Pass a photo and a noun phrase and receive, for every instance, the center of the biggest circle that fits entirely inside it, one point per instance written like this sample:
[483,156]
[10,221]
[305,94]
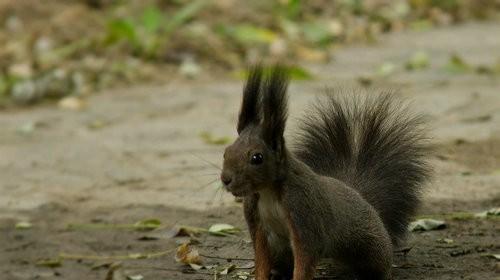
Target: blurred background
[114,116]
[52,49]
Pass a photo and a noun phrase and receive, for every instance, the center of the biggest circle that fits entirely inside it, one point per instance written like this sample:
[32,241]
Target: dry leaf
[187,255]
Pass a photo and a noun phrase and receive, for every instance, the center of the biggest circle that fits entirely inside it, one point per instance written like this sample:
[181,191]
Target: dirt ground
[136,154]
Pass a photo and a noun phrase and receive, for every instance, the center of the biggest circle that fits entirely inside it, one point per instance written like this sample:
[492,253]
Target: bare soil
[136,153]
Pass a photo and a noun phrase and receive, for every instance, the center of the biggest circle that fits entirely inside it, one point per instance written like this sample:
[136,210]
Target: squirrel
[345,190]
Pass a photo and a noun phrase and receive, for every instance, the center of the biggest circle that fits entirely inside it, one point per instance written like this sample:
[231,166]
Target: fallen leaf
[148,224]
[23,225]
[386,69]
[421,25]
[223,229]
[50,263]
[492,256]
[28,128]
[426,225]
[228,269]
[243,275]
[97,124]
[299,73]
[489,213]
[148,238]
[195,266]
[457,65]
[209,138]
[135,277]
[187,255]
[247,265]
[445,240]
[248,34]
[137,256]
[418,61]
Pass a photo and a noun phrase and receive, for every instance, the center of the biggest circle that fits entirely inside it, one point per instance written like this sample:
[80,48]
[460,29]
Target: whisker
[211,202]
[220,203]
[207,161]
[211,174]
[207,184]
[221,197]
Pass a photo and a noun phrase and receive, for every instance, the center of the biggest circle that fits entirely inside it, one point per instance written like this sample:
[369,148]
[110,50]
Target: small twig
[165,269]
[192,229]
[122,257]
[226,258]
[97,226]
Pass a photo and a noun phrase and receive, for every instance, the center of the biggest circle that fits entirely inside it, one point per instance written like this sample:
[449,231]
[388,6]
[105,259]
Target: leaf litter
[187,254]
[426,225]
[144,225]
[223,229]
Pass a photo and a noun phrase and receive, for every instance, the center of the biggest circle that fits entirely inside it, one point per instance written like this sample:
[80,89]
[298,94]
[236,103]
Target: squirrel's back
[374,145]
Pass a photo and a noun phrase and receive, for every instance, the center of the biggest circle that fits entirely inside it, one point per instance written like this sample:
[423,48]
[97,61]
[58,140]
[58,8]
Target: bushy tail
[374,145]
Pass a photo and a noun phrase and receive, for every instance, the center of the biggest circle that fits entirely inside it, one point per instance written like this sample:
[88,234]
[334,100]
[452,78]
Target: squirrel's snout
[226,179]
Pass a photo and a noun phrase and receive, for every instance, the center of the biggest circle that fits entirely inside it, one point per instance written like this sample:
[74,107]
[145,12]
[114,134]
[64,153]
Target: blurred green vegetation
[88,45]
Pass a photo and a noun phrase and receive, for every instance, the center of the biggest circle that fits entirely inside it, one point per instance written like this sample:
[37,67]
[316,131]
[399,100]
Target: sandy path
[137,145]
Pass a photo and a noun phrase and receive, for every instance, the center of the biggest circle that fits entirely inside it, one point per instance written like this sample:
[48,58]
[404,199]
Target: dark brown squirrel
[346,190]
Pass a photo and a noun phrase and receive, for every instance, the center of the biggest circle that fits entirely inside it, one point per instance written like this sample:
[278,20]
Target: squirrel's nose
[226,179]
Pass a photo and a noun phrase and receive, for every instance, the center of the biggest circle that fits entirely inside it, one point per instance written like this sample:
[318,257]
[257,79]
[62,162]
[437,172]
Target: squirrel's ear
[250,112]
[275,104]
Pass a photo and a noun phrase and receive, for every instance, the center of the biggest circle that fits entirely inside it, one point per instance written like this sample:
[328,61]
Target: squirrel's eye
[257,158]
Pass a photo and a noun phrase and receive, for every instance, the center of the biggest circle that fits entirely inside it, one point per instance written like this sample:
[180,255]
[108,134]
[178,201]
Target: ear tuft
[275,106]
[250,112]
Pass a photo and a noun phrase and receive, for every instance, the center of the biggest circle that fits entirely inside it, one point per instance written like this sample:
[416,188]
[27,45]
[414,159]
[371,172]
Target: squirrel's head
[257,159]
